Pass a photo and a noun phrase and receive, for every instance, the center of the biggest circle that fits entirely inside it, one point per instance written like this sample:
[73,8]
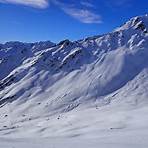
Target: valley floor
[123,141]
[106,127]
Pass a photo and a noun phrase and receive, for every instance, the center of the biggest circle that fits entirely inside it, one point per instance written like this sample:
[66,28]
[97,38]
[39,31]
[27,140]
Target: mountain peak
[138,23]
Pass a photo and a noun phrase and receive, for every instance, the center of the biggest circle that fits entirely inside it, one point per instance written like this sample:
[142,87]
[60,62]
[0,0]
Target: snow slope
[90,92]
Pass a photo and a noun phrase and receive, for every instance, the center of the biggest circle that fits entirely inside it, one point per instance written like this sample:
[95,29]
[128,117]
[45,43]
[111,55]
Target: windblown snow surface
[91,93]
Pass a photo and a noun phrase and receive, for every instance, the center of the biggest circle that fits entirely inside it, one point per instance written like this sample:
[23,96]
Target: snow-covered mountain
[52,90]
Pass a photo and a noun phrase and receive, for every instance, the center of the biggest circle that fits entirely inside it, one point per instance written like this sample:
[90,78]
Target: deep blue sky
[56,20]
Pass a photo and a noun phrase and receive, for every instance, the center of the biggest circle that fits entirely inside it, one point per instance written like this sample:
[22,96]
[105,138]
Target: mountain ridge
[44,80]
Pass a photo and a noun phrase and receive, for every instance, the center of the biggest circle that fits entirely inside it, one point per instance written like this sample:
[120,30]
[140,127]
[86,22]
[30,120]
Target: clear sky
[55,20]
